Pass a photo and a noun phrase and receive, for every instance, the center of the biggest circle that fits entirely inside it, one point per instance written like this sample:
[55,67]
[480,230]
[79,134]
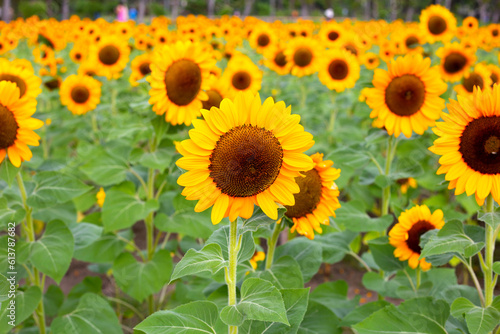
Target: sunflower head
[456,60]
[405,235]
[80,93]
[241,154]
[303,55]
[438,23]
[338,70]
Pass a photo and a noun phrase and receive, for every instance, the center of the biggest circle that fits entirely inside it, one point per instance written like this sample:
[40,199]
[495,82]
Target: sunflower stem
[30,233]
[386,192]
[333,115]
[360,260]
[419,275]
[271,243]
[149,222]
[474,279]
[231,272]
[488,256]
[95,128]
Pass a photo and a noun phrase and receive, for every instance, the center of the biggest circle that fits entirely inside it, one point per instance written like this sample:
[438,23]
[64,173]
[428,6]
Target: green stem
[95,128]
[118,301]
[410,280]
[333,115]
[386,192]
[40,313]
[419,274]
[474,279]
[360,260]
[271,243]
[150,231]
[231,271]
[488,256]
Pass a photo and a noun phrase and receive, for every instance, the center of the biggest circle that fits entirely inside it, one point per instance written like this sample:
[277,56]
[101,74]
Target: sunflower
[494,32]
[495,74]
[16,124]
[275,60]
[179,76]
[100,197]
[410,40]
[241,74]
[331,34]
[303,55]
[480,77]
[111,55]
[405,235]
[79,52]
[438,23]
[317,199]
[338,70]
[470,25]
[140,67]
[406,97]
[24,78]
[216,93]
[80,93]
[244,153]
[469,144]
[370,60]
[258,256]
[406,183]
[262,38]
[455,61]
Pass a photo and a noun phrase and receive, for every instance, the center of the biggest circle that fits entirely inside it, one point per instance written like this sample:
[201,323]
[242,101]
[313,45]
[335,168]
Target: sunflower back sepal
[490,218]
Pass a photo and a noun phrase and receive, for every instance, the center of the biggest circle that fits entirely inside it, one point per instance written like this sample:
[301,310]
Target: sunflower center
[309,196]
[494,78]
[144,68]
[495,32]
[437,25]
[15,79]
[80,94]
[52,84]
[411,42]
[246,161]
[214,99]
[333,35]
[78,56]
[480,145]
[454,62]
[263,40]
[338,69]
[405,95]
[280,59]
[302,57]
[183,82]
[351,48]
[416,232]
[241,80]
[8,127]
[109,55]
[473,80]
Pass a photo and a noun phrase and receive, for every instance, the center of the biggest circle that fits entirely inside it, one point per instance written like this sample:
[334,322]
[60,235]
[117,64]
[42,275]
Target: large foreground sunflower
[406,97]
[405,235]
[317,199]
[179,76]
[438,23]
[24,78]
[80,93]
[16,124]
[244,153]
[338,69]
[470,144]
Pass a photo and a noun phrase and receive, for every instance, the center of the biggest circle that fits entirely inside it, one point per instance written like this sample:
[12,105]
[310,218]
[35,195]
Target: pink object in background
[121,13]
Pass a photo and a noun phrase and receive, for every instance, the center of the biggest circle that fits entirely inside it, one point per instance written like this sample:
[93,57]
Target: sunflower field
[240,176]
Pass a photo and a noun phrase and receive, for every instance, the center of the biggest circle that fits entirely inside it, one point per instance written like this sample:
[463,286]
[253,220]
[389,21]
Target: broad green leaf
[209,258]
[123,209]
[260,300]
[383,254]
[362,312]
[90,284]
[496,267]
[334,296]
[105,169]
[103,250]
[186,223]
[353,218]
[139,279]
[85,234]
[25,304]
[419,315]
[307,253]
[479,320]
[296,301]
[194,318]
[490,218]
[53,300]
[9,213]
[55,187]
[284,274]
[93,315]
[221,237]
[8,171]
[319,319]
[335,245]
[160,159]
[53,252]
[259,220]
[451,238]
[4,289]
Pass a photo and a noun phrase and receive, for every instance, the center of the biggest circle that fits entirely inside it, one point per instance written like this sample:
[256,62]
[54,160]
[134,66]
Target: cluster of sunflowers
[242,152]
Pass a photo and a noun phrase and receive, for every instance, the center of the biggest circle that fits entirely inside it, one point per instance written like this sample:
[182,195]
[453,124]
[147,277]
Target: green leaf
[362,312]
[105,169]
[335,245]
[296,301]
[186,223]
[221,237]
[53,252]
[284,274]
[85,234]
[209,258]
[496,267]
[90,284]
[123,209]
[103,250]
[418,315]
[259,220]
[451,238]
[93,315]
[260,300]
[319,319]
[383,181]
[10,213]
[4,289]
[55,187]
[160,159]
[383,254]
[334,296]
[352,217]
[479,320]
[198,317]
[8,171]
[139,279]
[307,253]
[25,304]
[490,218]
[53,300]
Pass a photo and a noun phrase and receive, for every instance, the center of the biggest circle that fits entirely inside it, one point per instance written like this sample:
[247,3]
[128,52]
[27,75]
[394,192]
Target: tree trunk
[65,9]
[166,5]
[248,7]
[210,8]
[6,11]
[141,11]
[175,9]
[483,10]
[48,4]
[367,9]
[393,9]
[375,9]
[272,8]
[410,13]
[291,3]
[304,9]
[447,3]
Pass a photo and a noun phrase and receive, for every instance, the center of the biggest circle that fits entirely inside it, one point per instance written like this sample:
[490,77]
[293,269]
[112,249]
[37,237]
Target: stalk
[489,251]
[271,243]
[234,248]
